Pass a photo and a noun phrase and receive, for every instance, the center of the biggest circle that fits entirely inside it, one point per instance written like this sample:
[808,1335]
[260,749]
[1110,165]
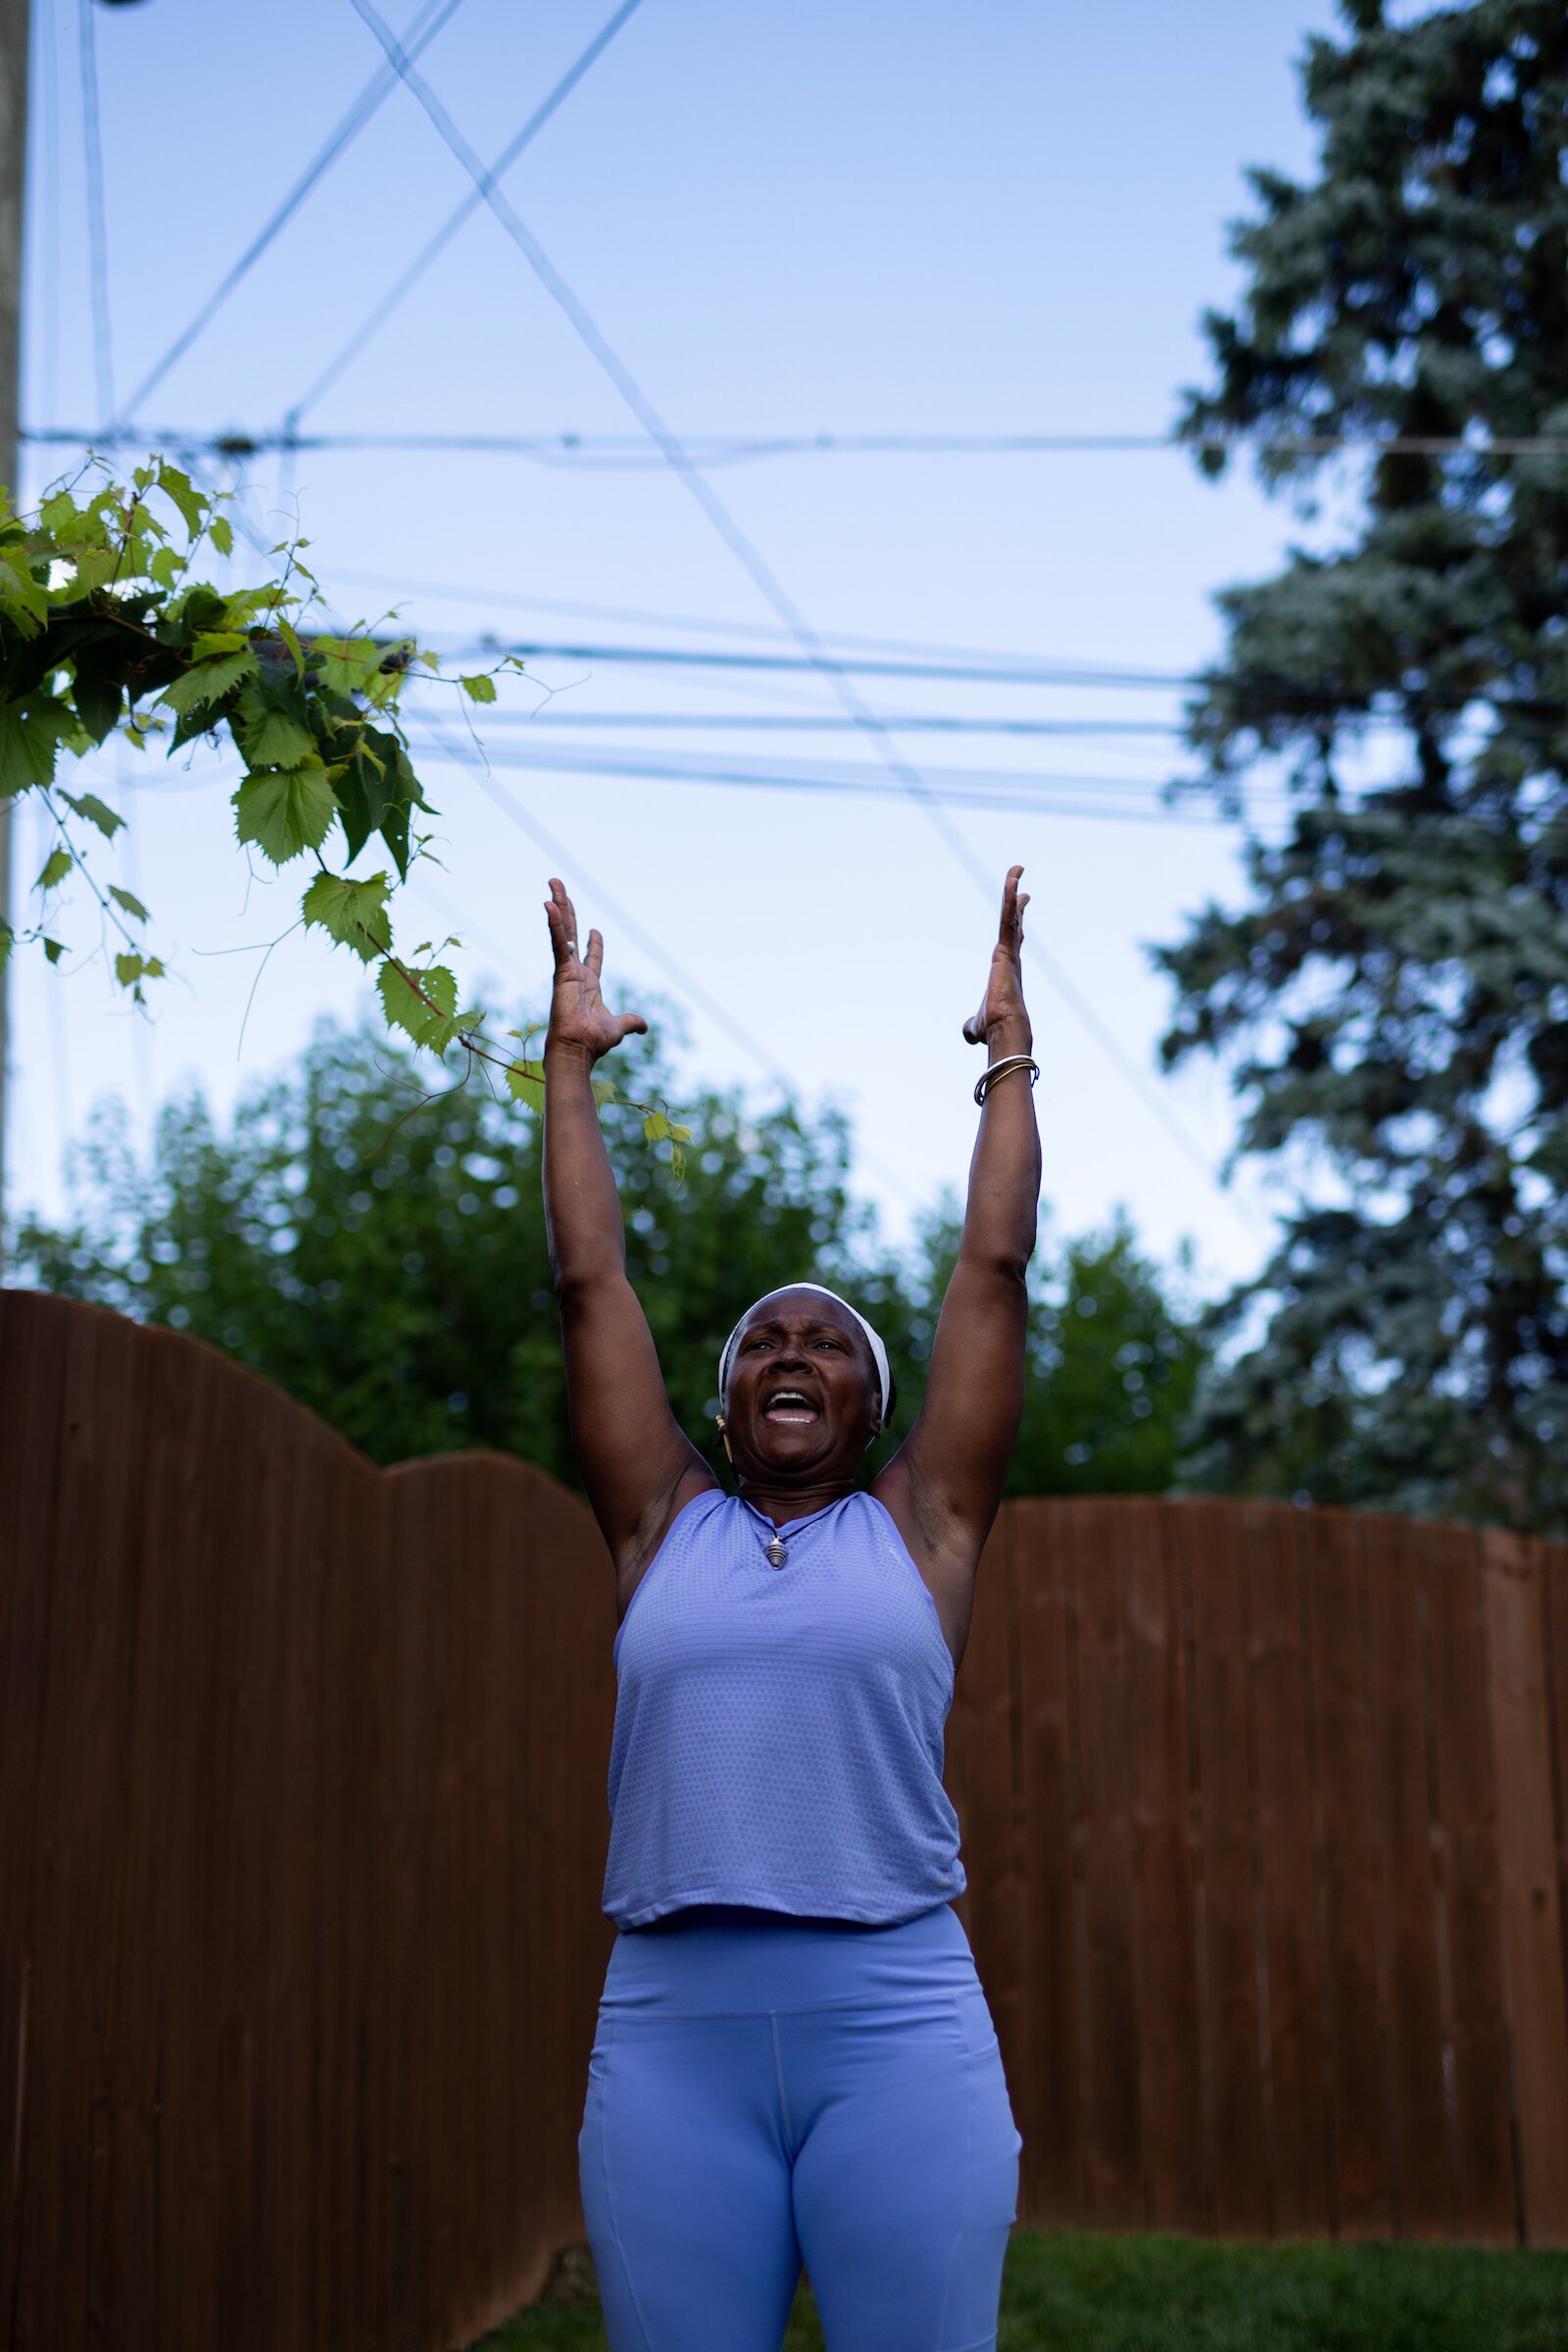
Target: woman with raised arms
[794,2060]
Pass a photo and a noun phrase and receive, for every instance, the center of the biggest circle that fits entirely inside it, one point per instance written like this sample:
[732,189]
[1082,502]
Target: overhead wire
[685,982]
[518,813]
[774,593]
[621,453]
[426,24]
[97,226]
[372,327]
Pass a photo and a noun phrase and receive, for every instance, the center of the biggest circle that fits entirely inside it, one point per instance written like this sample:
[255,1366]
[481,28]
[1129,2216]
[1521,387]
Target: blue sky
[787,221]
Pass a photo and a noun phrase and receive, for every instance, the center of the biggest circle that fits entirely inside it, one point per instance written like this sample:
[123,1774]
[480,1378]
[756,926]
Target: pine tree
[1393,998]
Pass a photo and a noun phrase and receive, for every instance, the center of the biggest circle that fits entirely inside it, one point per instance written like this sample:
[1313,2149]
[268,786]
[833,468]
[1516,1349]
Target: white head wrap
[879,1354]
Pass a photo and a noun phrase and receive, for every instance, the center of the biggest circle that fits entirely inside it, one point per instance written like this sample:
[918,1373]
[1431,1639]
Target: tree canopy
[1393,998]
[382,1256]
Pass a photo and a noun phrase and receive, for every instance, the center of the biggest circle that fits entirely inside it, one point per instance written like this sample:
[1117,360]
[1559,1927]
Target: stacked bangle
[1000,1070]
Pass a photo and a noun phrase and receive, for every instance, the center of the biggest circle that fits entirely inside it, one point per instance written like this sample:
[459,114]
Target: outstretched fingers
[1013,902]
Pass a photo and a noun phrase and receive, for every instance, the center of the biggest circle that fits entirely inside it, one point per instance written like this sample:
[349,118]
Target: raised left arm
[944,1485]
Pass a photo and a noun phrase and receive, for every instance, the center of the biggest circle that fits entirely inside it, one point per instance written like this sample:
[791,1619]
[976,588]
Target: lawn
[1069,2291]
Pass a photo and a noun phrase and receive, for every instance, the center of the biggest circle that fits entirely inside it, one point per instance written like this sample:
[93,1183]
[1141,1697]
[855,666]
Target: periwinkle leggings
[764,2090]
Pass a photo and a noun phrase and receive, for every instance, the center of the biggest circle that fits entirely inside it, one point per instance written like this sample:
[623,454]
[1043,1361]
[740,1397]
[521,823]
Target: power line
[773,589]
[624,453]
[97,231]
[518,814]
[814,723]
[449,229]
[426,24]
[1030,796]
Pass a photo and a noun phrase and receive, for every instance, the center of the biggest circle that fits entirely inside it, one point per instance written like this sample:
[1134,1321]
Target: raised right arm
[637,1463]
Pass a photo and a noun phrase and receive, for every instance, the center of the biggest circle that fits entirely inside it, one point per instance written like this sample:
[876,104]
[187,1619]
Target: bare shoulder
[634,1560]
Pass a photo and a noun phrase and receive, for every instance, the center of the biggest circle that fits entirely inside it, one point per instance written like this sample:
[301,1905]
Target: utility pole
[15,26]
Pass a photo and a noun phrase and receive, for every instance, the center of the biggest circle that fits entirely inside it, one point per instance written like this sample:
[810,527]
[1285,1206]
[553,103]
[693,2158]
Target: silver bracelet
[999,1069]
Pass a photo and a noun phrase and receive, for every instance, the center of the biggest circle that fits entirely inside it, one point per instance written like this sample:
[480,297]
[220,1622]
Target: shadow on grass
[1069,2291]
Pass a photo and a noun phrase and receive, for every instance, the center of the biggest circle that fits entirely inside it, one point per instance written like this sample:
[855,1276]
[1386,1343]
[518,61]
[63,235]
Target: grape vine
[104,628]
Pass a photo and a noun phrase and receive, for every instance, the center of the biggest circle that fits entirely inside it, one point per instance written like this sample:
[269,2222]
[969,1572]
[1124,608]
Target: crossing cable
[622,452]
[97,231]
[519,814]
[471,758]
[449,229]
[773,589]
[421,31]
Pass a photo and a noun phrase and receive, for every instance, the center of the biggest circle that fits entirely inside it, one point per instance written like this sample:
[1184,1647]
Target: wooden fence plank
[1424,2196]
[1298,2165]
[1054,2190]
[1237,2154]
[1111,2010]
[1532,1925]
[1352,1876]
[1169,2009]
[981,1782]
[1554,1592]
[1467,1811]
[33,1371]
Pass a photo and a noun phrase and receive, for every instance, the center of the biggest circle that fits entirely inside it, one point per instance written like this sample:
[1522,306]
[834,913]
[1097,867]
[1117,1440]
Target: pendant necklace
[776,1551]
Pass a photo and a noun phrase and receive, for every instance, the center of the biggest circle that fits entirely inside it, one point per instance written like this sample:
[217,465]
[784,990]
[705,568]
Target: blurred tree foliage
[1393,998]
[381,1257]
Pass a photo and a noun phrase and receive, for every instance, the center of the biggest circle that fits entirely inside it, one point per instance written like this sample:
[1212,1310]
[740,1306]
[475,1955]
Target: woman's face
[802,1394]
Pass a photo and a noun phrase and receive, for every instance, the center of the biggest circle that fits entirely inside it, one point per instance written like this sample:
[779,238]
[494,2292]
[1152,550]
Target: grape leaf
[354,912]
[29,739]
[89,805]
[54,949]
[417,1001]
[207,683]
[128,900]
[526,1082]
[181,492]
[480,689]
[273,739]
[220,531]
[348,663]
[284,811]
[57,865]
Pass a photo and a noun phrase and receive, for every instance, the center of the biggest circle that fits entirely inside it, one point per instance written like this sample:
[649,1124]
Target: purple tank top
[778,1738]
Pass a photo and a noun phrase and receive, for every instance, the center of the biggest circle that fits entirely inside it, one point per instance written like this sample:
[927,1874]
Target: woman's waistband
[728,1960]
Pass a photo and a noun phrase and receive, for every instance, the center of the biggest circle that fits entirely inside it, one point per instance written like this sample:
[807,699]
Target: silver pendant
[776,1553]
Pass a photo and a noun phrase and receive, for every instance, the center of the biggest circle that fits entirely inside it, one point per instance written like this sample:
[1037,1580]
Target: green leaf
[57,865]
[290,636]
[354,912]
[604,1088]
[29,740]
[274,740]
[58,514]
[421,1003]
[210,643]
[182,493]
[220,531]
[54,949]
[526,1082]
[128,900]
[284,811]
[131,969]
[165,566]
[207,683]
[87,805]
[480,689]
[348,663]
[8,940]
[656,1126]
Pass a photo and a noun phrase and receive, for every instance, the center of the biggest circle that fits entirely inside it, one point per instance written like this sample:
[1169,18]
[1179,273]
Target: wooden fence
[302,1827]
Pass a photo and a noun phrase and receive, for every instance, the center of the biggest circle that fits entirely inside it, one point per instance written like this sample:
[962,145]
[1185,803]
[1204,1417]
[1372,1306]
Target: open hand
[1002,1019]
[578,1013]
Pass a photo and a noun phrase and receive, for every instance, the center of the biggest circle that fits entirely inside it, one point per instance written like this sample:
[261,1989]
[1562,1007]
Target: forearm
[582,1207]
[1000,1216]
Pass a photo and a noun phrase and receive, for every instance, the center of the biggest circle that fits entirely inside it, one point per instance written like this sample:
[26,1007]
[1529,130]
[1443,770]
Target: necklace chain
[775,1551]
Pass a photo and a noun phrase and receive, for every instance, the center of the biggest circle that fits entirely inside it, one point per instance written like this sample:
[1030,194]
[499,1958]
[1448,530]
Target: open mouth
[788,1408]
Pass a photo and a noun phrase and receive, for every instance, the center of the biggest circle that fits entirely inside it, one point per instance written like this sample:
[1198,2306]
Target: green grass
[1068,2292]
